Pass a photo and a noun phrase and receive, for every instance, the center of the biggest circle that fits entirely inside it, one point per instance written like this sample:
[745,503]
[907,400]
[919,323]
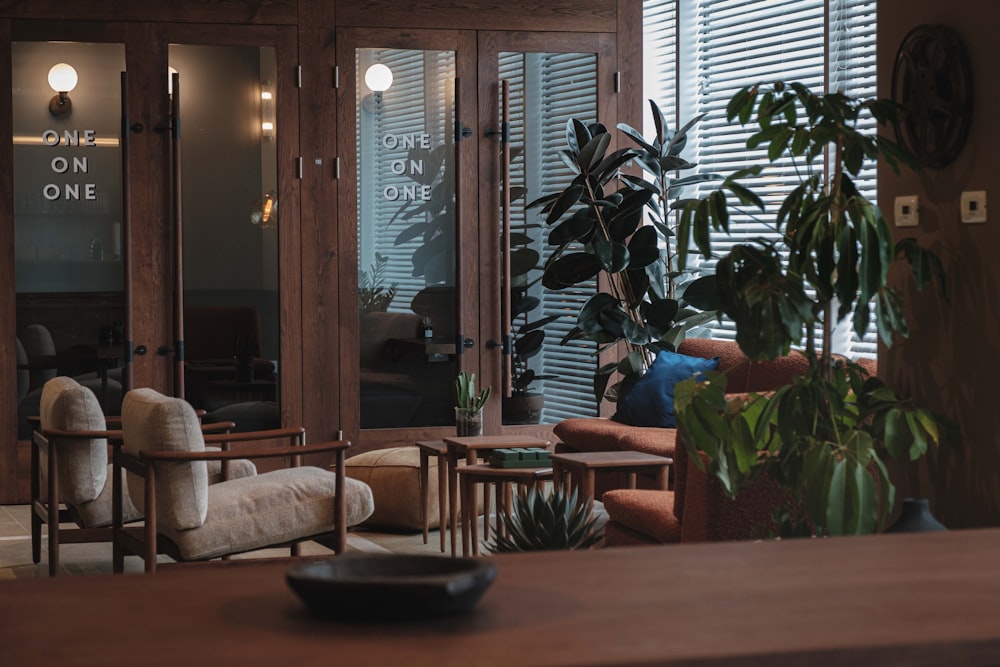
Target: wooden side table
[502,479]
[579,468]
[469,448]
[438,449]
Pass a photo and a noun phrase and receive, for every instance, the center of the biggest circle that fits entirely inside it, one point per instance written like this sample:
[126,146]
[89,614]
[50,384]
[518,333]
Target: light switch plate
[907,211]
[974,206]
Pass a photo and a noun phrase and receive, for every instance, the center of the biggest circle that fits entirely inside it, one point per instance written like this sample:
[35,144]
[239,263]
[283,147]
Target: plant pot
[916,518]
[468,422]
[523,409]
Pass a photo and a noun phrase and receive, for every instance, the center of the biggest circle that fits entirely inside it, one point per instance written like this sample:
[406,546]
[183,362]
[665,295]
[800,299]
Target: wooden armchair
[69,462]
[187,519]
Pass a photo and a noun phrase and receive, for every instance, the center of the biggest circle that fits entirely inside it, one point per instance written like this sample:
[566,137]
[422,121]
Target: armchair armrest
[43,437]
[267,452]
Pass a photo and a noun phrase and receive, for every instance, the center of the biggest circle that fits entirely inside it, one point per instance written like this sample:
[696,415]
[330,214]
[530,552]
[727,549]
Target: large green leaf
[702,293]
[613,256]
[643,247]
[570,270]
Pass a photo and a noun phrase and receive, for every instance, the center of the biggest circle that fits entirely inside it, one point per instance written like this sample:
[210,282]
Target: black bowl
[386,587]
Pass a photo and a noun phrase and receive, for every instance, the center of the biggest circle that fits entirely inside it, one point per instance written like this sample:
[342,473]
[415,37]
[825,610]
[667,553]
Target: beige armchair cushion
[152,421]
[82,465]
[274,507]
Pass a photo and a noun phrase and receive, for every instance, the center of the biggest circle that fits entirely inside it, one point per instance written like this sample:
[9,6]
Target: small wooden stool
[438,449]
[502,478]
[579,468]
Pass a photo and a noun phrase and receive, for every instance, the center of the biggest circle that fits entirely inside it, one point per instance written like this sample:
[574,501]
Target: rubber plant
[646,302]
[826,436]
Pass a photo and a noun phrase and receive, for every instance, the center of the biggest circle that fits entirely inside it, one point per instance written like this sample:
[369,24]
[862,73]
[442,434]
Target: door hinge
[336,76]
[298,76]
[299,167]
[618,82]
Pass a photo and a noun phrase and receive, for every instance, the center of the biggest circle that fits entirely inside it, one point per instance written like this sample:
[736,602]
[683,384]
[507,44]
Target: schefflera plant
[645,301]
[826,436]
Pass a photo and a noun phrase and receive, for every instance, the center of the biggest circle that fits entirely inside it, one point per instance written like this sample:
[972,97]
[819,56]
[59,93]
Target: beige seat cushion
[152,421]
[271,508]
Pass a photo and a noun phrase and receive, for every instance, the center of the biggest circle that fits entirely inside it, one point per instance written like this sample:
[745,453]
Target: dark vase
[916,518]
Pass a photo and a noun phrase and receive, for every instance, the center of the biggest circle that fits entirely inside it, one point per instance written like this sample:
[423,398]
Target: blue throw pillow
[651,401]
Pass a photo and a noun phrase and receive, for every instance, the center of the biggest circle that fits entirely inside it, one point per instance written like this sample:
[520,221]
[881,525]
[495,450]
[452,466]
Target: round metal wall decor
[932,80]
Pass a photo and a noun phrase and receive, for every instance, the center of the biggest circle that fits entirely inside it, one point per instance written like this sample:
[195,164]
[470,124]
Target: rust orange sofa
[590,434]
[695,509]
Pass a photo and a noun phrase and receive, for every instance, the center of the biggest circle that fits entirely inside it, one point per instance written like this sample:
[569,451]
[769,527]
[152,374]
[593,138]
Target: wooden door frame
[348,39]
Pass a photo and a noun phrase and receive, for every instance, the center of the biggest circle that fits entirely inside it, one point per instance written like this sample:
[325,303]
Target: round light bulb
[62,78]
[378,77]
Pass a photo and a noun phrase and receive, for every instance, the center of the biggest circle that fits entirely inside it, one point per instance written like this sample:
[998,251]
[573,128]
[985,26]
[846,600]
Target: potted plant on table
[826,437]
[469,405]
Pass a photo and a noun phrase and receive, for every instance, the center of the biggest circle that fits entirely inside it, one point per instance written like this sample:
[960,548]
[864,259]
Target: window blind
[825,44]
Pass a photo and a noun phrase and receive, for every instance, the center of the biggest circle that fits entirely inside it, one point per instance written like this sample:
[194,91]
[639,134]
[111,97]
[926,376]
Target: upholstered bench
[394,477]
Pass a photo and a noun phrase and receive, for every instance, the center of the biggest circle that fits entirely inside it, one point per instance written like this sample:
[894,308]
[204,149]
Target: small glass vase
[468,422]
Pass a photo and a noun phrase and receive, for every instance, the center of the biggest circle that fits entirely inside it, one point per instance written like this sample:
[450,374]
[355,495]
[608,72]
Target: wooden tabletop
[917,599]
[494,442]
[612,459]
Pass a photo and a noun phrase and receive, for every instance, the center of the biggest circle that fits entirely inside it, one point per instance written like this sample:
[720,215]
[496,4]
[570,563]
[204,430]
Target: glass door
[228,213]
[68,220]
[536,84]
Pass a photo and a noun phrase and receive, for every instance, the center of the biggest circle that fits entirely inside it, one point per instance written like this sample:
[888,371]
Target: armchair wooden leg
[149,546]
[53,512]
[36,497]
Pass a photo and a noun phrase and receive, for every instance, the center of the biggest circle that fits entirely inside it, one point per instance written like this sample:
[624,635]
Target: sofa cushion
[152,421]
[732,361]
[589,434]
[651,400]
[644,511]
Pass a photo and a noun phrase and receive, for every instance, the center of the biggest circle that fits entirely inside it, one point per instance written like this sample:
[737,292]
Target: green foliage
[825,437]
[596,224]
[373,295]
[465,392]
[547,521]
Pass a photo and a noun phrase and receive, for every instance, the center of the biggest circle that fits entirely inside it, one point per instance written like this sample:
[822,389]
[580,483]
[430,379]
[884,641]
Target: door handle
[163,350]
[140,350]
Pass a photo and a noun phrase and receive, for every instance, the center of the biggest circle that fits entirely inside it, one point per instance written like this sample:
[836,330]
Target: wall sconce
[264,212]
[378,78]
[62,79]
[267,110]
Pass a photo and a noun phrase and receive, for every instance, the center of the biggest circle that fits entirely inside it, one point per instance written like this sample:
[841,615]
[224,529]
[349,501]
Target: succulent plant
[541,521]
[465,392]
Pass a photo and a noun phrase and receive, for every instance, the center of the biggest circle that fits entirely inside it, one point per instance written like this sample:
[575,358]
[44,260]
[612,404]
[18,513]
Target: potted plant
[469,405]
[524,405]
[539,521]
[826,437]
[649,302]
[373,294]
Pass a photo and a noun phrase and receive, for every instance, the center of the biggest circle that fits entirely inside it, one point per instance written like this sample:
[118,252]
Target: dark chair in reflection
[38,362]
[213,381]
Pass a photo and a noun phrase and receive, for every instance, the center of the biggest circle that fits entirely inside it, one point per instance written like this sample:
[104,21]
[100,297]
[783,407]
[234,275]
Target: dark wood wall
[951,360]
[313,370]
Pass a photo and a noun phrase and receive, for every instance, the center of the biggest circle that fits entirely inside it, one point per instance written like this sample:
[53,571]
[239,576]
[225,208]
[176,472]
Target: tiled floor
[15,548]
